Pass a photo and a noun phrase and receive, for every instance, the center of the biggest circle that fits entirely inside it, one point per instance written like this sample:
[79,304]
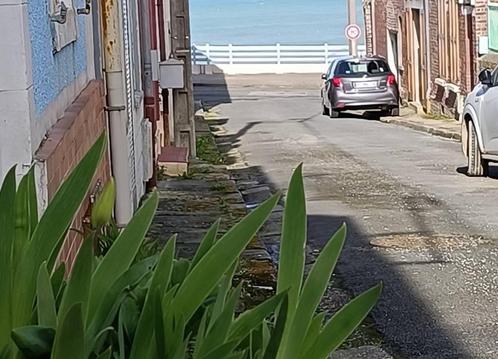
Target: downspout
[428,56]
[113,68]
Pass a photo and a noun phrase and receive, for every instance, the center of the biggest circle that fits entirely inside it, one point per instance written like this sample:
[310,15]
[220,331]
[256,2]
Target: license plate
[365,84]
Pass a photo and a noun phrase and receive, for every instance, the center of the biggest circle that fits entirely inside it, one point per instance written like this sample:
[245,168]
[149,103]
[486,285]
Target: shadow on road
[493,171]
[408,323]
[211,89]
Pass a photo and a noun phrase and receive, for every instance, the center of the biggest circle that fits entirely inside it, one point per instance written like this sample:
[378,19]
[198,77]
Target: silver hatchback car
[480,124]
[359,83]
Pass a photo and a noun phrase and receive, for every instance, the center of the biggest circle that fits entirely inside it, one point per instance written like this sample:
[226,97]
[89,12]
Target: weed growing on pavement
[207,150]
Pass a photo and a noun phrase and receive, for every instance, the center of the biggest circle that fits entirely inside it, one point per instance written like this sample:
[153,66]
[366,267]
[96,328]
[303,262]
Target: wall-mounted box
[171,74]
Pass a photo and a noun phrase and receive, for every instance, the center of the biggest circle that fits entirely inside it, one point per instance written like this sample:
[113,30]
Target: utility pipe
[113,68]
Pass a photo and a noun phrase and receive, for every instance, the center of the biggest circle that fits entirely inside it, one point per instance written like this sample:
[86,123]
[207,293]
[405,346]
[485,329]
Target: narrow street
[416,222]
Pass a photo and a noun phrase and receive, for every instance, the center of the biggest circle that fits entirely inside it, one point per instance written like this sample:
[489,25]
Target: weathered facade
[438,48]
[75,69]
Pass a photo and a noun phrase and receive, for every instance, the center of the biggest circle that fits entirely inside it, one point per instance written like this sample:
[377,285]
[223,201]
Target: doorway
[392,53]
[417,74]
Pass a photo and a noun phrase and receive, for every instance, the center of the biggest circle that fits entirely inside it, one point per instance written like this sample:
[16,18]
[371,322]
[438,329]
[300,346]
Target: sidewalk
[446,128]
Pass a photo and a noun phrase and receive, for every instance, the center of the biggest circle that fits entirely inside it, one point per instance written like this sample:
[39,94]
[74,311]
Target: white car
[480,124]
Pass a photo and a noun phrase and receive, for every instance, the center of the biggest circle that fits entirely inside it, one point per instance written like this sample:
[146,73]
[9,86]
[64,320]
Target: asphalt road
[415,221]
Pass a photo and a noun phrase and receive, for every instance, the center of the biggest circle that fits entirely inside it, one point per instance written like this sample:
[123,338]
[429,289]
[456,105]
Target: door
[416,55]
[488,118]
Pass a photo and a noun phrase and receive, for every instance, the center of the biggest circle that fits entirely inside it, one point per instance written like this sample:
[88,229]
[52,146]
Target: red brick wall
[66,144]
[436,94]
[380,18]
[480,28]
[367,15]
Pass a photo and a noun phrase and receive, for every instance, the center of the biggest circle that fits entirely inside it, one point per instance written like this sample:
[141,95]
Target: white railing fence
[239,59]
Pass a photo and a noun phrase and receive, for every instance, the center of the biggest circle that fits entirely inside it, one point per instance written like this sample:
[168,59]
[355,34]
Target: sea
[265,22]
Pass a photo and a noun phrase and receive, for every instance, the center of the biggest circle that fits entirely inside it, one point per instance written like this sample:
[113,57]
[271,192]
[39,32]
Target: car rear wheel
[394,111]
[477,166]
[334,114]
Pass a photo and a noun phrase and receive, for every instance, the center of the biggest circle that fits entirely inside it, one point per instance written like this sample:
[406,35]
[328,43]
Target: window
[493,26]
[370,67]
[449,60]
[63,33]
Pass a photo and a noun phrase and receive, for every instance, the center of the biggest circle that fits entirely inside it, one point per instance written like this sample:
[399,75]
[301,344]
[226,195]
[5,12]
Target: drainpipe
[116,108]
[428,56]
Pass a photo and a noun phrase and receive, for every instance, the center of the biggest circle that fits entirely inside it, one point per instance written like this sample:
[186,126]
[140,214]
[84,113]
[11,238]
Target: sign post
[353,31]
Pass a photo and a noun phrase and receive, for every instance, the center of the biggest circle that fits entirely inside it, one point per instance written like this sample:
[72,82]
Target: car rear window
[362,67]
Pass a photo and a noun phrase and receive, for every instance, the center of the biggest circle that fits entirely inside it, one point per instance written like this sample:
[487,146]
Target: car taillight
[336,81]
[391,80]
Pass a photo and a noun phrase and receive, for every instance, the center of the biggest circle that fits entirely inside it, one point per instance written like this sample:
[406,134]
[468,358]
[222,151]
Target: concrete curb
[421,127]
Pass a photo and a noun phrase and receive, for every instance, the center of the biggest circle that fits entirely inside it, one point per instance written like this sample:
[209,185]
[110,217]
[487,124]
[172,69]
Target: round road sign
[353,32]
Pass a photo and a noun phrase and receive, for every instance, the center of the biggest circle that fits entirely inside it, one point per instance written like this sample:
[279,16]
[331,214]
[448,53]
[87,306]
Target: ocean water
[258,22]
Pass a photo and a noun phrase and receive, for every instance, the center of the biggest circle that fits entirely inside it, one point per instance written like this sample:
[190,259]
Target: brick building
[438,48]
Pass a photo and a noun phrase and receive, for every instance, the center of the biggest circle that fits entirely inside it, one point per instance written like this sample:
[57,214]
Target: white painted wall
[15,87]
[21,130]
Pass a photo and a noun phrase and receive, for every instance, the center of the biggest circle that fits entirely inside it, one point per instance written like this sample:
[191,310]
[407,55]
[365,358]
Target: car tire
[334,114]
[394,112]
[477,166]
[325,110]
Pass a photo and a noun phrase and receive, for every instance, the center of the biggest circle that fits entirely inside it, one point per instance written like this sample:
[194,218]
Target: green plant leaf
[45,305]
[34,341]
[7,200]
[174,328]
[70,336]
[129,313]
[222,351]
[5,352]
[343,323]
[313,331]
[206,243]
[157,318]
[221,296]
[49,232]
[181,268]
[78,285]
[159,283]
[292,244]
[57,281]
[207,273]
[110,305]
[120,256]
[26,213]
[201,334]
[104,205]
[218,332]
[106,355]
[313,290]
[250,319]
[271,349]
